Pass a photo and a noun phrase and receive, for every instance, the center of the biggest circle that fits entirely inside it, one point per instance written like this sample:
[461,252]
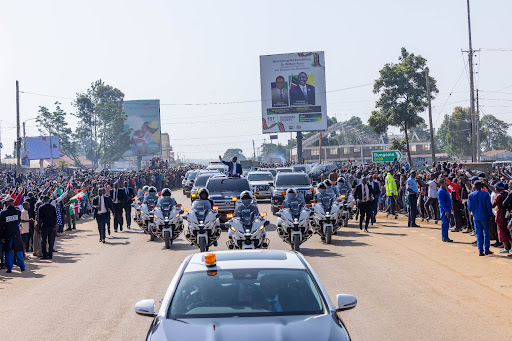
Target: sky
[206,52]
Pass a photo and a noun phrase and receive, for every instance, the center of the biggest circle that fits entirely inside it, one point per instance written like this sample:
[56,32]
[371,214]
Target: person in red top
[454,188]
[501,221]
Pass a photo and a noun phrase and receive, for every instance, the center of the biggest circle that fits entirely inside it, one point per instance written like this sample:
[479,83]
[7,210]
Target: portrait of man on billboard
[279,92]
[146,139]
[302,93]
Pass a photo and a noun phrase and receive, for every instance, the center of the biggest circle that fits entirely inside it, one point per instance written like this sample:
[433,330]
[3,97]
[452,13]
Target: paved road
[408,283]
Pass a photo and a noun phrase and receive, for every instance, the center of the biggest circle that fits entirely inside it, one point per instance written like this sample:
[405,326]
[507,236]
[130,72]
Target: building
[167,152]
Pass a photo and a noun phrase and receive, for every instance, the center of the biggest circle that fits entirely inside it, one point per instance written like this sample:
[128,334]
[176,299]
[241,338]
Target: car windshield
[318,168]
[292,180]
[260,177]
[284,170]
[193,175]
[227,185]
[245,292]
[299,168]
[221,169]
[201,180]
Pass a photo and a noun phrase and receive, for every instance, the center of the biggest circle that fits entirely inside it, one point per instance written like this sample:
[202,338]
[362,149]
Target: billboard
[25,159]
[39,147]
[293,92]
[144,121]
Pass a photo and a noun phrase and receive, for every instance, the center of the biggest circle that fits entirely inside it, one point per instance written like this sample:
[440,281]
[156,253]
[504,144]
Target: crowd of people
[468,201]
[40,207]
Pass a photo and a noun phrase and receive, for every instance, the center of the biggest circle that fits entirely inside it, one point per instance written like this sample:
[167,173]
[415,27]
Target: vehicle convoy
[293,224]
[148,204]
[200,182]
[203,223]
[246,230]
[327,212]
[224,192]
[260,294]
[168,222]
[190,182]
[217,167]
[261,184]
[283,181]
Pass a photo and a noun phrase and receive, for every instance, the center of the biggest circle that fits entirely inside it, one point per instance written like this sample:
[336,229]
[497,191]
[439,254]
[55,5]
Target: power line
[447,98]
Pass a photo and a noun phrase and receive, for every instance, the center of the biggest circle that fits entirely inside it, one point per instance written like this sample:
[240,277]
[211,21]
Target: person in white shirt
[25,223]
[432,204]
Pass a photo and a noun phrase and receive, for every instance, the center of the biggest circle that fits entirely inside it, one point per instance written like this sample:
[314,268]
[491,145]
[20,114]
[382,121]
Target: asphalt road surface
[409,284]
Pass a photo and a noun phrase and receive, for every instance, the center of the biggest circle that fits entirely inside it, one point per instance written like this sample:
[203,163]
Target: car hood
[293,328]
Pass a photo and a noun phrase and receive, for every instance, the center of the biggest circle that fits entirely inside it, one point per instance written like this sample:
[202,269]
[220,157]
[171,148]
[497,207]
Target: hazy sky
[208,51]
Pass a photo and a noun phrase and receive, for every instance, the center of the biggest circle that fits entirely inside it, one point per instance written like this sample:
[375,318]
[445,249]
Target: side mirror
[271,184]
[218,215]
[278,214]
[181,212]
[266,223]
[228,225]
[345,302]
[145,307]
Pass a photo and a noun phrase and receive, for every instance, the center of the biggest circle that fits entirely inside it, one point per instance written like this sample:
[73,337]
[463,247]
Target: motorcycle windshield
[166,205]
[326,202]
[201,208]
[150,199]
[246,217]
[295,208]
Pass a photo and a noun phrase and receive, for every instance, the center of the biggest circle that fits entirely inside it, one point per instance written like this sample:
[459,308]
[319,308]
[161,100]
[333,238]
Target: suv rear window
[227,185]
[292,180]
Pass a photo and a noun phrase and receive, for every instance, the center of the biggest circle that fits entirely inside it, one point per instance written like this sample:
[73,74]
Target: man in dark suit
[279,93]
[118,197]
[303,94]
[234,168]
[102,207]
[364,196]
[130,194]
[47,223]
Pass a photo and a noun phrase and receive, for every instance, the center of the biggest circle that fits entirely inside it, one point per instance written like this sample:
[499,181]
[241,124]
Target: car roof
[248,259]
[283,174]
[259,172]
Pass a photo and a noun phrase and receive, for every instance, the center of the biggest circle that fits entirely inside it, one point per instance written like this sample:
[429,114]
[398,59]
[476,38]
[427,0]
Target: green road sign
[386,155]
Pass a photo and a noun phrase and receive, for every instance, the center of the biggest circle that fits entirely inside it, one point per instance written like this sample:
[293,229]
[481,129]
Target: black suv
[316,172]
[299,181]
[224,192]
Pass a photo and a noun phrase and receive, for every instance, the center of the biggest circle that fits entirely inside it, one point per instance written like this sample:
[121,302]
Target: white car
[261,183]
[246,295]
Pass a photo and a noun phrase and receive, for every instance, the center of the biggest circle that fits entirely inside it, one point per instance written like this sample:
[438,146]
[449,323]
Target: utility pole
[18,139]
[320,154]
[432,146]
[24,138]
[472,94]
[51,147]
[477,120]
[299,147]
[253,151]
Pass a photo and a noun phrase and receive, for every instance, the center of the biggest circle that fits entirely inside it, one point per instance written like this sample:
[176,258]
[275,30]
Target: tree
[101,123]
[270,150]
[398,145]
[493,133]
[55,124]
[454,135]
[228,155]
[403,94]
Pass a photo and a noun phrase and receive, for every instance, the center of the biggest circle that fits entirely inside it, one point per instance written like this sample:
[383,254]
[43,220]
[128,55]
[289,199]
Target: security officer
[343,186]
[247,204]
[293,198]
[166,198]
[47,224]
[10,219]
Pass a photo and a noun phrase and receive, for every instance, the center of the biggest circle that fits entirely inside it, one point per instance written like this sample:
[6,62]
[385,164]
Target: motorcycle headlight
[233,229]
[177,215]
[262,226]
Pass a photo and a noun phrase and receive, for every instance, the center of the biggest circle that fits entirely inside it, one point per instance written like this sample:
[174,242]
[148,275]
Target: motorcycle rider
[322,189]
[292,197]
[247,204]
[141,192]
[202,196]
[205,204]
[343,186]
[151,195]
[330,188]
[166,198]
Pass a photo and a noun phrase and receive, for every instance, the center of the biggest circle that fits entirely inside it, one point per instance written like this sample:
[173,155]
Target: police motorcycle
[293,224]
[347,200]
[327,211]
[203,222]
[146,211]
[246,230]
[168,220]
[137,204]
